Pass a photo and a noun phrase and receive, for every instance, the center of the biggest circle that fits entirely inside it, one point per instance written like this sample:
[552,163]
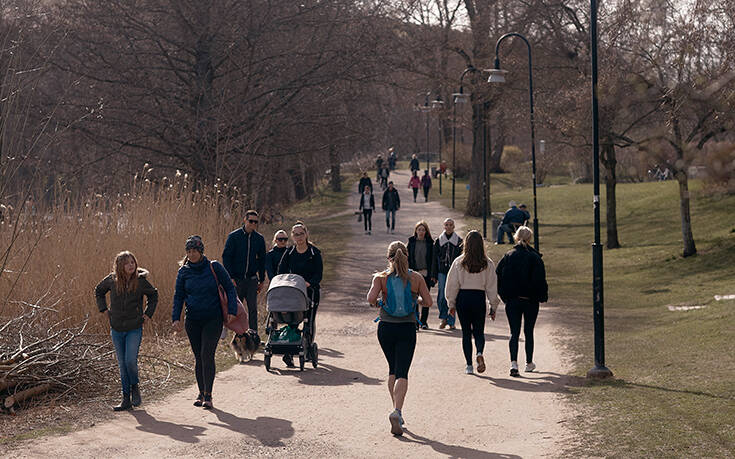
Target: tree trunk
[334,178]
[496,153]
[686,218]
[610,162]
[475,198]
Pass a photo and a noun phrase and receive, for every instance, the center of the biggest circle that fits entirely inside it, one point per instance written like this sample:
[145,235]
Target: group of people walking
[209,292]
[468,281]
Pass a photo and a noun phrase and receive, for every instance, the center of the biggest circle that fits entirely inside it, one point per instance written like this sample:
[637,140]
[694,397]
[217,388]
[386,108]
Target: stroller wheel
[302,360]
[267,362]
[314,355]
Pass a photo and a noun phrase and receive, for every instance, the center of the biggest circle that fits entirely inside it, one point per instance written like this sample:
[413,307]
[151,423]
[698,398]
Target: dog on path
[245,345]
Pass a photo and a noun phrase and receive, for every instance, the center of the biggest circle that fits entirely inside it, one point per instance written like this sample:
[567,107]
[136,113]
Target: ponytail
[398,260]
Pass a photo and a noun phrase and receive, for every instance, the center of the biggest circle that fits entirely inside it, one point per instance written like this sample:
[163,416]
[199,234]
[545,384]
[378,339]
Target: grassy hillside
[674,387]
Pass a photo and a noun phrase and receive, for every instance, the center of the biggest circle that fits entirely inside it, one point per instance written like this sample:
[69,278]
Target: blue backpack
[399,302]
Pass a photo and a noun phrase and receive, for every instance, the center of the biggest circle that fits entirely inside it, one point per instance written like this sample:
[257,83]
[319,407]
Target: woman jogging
[197,286]
[274,255]
[522,286]
[414,183]
[420,253]
[304,259]
[127,283]
[400,290]
[471,279]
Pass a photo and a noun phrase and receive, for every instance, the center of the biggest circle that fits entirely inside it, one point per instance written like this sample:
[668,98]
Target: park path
[341,408]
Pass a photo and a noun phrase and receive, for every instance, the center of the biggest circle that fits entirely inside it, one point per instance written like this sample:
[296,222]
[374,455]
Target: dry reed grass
[61,250]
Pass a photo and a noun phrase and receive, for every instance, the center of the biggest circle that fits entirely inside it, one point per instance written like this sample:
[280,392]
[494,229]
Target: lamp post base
[599,372]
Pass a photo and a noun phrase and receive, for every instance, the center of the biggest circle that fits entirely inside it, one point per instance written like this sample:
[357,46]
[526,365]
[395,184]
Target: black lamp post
[600,370]
[459,98]
[498,76]
[426,108]
[438,104]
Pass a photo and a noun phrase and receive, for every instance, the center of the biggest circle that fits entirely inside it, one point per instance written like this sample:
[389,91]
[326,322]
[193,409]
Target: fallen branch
[22,395]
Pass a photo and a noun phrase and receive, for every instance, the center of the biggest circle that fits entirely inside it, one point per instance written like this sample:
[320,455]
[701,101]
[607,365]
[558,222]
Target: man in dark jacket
[244,259]
[391,204]
[364,181]
[513,218]
[447,247]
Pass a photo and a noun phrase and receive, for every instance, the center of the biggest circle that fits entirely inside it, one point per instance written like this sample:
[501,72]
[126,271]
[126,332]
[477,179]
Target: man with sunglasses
[244,259]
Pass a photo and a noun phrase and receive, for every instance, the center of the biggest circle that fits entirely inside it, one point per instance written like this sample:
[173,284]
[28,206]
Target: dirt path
[341,408]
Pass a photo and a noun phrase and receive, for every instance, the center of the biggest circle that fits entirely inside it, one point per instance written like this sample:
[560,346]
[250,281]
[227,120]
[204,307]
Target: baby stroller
[288,303]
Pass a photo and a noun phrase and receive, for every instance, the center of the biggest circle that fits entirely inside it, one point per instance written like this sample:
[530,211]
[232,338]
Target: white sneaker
[392,231]
[530,366]
[468,370]
[514,369]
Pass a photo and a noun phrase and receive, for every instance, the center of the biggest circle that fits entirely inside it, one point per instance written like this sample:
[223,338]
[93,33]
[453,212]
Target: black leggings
[204,336]
[471,312]
[424,310]
[398,341]
[415,193]
[426,193]
[515,309]
[367,217]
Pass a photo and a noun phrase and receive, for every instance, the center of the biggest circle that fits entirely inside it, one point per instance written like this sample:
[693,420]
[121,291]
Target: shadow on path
[453,450]
[327,375]
[179,432]
[549,382]
[268,431]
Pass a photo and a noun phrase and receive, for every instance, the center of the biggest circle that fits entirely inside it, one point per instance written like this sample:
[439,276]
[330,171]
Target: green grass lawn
[674,389]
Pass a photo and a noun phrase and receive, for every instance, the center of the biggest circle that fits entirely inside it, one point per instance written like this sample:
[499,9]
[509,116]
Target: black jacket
[372,201]
[444,255]
[126,309]
[429,255]
[364,181]
[307,265]
[272,259]
[414,164]
[244,255]
[521,273]
[391,200]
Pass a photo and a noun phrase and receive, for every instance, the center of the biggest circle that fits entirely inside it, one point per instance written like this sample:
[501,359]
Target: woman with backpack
[522,286]
[127,284]
[197,285]
[400,290]
[470,280]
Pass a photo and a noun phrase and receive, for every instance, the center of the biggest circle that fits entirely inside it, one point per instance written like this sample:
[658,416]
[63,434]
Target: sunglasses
[254,222]
[282,239]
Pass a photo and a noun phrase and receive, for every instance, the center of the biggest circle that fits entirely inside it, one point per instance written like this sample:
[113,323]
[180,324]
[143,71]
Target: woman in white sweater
[470,279]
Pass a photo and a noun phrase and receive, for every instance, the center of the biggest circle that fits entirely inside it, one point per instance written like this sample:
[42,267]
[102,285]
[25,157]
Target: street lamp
[438,104]
[459,98]
[426,108]
[498,76]
[599,371]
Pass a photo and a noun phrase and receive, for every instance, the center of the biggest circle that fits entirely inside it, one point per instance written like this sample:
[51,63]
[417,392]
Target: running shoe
[480,363]
[514,369]
[395,423]
[530,366]
[468,370]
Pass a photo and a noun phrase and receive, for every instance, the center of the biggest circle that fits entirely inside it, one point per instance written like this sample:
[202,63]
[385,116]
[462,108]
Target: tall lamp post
[426,108]
[599,371]
[459,98]
[437,104]
[498,76]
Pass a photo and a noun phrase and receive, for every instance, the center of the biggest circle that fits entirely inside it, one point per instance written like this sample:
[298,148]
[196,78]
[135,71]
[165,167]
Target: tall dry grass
[63,248]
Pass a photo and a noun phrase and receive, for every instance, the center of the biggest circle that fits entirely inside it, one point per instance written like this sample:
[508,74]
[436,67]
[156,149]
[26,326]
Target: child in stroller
[288,303]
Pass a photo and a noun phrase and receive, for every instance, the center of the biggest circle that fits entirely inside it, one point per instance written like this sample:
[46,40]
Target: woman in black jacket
[274,255]
[127,283]
[420,256]
[522,286]
[304,259]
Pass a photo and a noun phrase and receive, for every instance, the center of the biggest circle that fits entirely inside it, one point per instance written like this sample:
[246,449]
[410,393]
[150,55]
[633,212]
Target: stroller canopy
[287,293]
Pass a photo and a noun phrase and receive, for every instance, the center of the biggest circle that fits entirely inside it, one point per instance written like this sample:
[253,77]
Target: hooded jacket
[308,265]
[391,200]
[197,287]
[126,308]
[446,249]
[371,201]
[521,274]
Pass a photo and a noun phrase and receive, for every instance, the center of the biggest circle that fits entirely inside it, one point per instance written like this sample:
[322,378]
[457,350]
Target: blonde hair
[523,235]
[279,232]
[123,282]
[398,260]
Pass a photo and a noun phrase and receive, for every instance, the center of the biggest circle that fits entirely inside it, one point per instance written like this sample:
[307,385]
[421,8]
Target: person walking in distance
[413,165]
[244,258]
[127,284]
[197,287]
[400,290]
[274,255]
[522,286]
[364,181]
[470,280]
[391,204]
[367,204]
[420,249]
[426,185]
[447,247]
[414,183]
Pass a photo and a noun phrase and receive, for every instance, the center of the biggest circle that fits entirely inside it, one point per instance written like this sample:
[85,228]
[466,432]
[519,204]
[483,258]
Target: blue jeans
[502,229]
[441,299]
[388,223]
[127,345]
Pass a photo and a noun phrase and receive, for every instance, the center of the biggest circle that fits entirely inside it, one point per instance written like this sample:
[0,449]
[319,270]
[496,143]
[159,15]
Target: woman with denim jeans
[127,285]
